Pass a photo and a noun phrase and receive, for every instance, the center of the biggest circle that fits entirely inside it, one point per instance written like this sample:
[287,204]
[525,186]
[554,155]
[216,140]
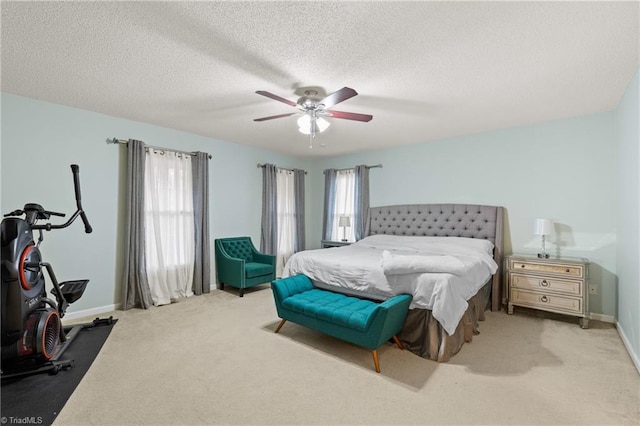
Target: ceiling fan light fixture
[322,124]
[305,130]
[305,124]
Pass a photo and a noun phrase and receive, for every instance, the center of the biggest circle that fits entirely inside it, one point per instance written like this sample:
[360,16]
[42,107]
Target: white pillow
[418,243]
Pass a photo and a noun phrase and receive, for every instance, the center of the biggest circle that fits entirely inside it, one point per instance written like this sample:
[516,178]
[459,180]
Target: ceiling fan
[312,110]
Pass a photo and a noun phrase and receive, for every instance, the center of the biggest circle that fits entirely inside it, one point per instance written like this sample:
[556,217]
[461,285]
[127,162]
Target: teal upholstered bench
[362,322]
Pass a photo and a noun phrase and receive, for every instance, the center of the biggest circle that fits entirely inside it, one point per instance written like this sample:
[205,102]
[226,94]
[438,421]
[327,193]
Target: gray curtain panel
[202,263]
[135,287]
[298,183]
[269,237]
[361,201]
[329,202]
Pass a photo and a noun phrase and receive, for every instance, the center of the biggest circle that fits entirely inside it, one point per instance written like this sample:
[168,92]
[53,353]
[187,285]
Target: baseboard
[627,345]
[91,312]
[604,318]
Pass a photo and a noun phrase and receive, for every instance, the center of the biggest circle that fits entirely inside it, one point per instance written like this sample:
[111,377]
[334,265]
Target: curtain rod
[124,142]
[375,166]
[291,170]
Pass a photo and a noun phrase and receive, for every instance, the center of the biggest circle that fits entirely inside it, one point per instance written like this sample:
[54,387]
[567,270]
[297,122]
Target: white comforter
[441,273]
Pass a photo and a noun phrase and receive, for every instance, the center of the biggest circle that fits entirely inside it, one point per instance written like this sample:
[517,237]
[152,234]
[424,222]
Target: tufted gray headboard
[444,220]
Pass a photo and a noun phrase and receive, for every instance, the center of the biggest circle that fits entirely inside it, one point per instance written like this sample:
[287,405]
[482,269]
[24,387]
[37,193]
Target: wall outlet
[593,289]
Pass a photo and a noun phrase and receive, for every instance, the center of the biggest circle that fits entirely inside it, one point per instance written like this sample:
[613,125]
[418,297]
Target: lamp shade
[305,124]
[304,121]
[543,227]
[344,221]
[322,124]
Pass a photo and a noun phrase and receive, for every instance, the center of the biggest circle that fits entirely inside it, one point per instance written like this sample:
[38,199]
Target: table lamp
[543,227]
[344,222]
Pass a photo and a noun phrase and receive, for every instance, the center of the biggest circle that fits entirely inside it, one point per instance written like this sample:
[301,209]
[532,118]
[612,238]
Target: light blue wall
[628,214]
[39,142]
[563,170]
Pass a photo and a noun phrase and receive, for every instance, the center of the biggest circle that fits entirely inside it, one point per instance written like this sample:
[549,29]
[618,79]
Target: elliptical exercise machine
[33,338]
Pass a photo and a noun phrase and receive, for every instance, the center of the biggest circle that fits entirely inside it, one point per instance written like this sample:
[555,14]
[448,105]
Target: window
[286,218]
[346,196]
[344,205]
[282,213]
[169,233]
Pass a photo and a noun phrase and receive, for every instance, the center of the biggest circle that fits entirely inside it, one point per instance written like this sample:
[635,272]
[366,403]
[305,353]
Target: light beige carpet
[215,359]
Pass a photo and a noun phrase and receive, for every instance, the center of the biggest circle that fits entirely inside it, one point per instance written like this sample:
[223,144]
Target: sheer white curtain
[286,218]
[169,225]
[344,204]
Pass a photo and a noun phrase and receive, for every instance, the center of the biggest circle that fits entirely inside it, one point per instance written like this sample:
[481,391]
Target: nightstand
[328,244]
[555,285]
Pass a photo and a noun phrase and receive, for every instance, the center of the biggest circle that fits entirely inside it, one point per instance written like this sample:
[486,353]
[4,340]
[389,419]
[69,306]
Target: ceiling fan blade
[338,96]
[275,116]
[276,97]
[349,115]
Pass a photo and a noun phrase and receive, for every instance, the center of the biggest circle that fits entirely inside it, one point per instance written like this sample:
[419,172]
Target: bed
[447,256]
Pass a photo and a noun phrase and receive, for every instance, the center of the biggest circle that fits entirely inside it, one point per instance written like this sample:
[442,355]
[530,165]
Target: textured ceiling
[424,70]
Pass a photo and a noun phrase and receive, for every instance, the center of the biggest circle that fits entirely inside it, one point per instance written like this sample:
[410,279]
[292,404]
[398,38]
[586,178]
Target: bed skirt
[423,335]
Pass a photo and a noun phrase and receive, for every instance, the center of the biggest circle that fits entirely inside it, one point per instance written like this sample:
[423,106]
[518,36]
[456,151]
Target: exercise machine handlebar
[76,186]
[79,210]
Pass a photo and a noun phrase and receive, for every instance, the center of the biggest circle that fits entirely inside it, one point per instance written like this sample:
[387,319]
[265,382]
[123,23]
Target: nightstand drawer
[575,271]
[550,302]
[530,282]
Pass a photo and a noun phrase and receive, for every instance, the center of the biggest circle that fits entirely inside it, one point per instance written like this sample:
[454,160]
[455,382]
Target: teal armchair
[240,265]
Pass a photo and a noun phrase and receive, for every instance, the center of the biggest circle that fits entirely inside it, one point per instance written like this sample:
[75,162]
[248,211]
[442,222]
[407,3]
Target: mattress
[441,273]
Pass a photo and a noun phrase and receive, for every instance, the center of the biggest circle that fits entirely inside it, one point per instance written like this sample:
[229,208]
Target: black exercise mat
[39,398]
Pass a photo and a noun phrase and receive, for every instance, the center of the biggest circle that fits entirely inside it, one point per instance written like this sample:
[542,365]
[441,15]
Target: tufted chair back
[239,248]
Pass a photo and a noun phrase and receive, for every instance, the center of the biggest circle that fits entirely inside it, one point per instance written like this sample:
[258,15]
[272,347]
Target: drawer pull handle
[544,299]
[567,270]
[522,266]
[544,283]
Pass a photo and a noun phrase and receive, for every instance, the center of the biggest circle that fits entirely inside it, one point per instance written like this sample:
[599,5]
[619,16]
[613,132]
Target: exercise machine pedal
[71,290]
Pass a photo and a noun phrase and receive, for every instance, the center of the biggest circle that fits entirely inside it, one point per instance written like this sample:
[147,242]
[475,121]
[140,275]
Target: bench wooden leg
[376,363]
[398,342]
[280,325]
